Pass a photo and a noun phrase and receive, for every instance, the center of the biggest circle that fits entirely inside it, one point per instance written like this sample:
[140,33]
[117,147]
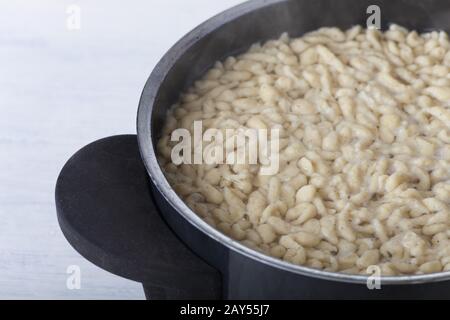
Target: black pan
[247,273]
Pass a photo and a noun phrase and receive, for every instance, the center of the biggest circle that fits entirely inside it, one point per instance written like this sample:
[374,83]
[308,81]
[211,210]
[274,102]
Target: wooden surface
[59,90]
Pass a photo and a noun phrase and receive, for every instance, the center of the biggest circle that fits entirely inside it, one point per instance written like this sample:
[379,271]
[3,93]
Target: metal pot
[248,273]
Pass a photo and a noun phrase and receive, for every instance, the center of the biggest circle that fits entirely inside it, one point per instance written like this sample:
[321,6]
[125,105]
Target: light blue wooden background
[60,90]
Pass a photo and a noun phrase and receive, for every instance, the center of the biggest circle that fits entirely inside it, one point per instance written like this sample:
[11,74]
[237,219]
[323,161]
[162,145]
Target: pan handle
[106,212]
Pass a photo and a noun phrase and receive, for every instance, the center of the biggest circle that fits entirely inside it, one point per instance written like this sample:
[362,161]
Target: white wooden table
[59,90]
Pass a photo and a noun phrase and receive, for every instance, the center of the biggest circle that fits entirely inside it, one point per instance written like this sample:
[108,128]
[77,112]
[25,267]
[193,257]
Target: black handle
[106,212]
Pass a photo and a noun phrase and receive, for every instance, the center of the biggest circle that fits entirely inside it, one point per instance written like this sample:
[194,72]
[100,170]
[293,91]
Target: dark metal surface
[250,274]
[106,212]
